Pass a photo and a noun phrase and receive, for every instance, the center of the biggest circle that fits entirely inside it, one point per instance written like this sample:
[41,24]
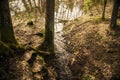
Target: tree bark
[7,37]
[104,8]
[114,16]
[49,26]
[6,27]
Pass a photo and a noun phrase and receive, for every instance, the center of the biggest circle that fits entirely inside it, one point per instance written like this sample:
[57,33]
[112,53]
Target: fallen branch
[39,52]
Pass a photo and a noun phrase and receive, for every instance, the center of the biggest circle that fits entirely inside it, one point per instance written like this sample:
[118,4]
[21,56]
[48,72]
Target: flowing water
[63,56]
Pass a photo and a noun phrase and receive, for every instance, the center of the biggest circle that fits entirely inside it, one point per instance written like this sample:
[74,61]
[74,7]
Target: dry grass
[97,48]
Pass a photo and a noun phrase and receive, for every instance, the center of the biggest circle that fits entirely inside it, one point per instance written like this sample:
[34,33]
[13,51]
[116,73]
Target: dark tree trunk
[7,37]
[49,26]
[115,13]
[104,8]
[6,27]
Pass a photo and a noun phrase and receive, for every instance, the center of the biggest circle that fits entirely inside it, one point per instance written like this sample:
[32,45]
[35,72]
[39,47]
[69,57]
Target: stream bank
[27,36]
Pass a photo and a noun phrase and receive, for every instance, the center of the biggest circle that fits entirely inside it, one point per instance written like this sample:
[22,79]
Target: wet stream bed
[62,57]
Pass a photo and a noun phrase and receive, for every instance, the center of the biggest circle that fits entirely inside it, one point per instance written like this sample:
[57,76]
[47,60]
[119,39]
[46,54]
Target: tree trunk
[39,7]
[7,37]
[49,26]
[114,14]
[6,27]
[104,8]
[43,5]
[35,4]
[30,4]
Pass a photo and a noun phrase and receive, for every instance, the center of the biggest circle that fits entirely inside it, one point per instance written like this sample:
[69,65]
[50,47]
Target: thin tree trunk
[104,8]
[39,7]
[6,27]
[35,9]
[35,4]
[43,5]
[114,14]
[49,26]
[30,4]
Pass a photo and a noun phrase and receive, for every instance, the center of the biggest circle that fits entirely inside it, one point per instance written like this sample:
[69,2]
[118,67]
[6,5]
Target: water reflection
[65,13]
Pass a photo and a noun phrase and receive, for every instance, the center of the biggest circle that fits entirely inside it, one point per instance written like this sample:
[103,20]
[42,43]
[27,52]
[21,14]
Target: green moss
[18,49]
[41,59]
[87,5]
[49,41]
[5,50]
[87,77]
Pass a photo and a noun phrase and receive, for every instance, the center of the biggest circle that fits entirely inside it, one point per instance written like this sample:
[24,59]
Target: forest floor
[29,34]
[95,50]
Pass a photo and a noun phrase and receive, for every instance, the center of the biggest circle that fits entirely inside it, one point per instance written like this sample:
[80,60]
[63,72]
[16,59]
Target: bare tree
[104,8]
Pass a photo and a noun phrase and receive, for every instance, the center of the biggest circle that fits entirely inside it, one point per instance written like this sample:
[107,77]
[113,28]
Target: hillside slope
[95,49]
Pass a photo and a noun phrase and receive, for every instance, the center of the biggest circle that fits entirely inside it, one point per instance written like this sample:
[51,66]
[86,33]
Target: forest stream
[62,56]
[59,40]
